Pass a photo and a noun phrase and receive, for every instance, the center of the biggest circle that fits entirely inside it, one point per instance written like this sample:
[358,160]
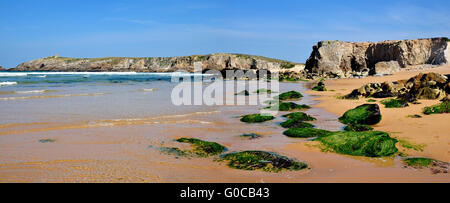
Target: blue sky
[31,29]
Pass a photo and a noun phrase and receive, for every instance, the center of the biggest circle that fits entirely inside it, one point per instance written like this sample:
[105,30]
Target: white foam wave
[31,92]
[44,74]
[7,83]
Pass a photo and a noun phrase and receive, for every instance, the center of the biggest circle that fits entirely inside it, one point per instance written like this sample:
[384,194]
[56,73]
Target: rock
[431,94]
[387,67]
[367,114]
[261,160]
[216,62]
[337,59]
[1,68]
[423,86]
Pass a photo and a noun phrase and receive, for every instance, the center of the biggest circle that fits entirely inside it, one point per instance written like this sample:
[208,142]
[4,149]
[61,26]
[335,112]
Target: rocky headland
[161,64]
[337,59]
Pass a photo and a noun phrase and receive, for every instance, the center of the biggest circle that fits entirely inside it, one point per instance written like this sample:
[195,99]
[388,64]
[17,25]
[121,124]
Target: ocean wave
[7,83]
[148,90]
[12,74]
[33,91]
[50,96]
[44,74]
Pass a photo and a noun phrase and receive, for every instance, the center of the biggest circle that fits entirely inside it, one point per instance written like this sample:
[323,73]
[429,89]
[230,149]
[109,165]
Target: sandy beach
[90,149]
[433,131]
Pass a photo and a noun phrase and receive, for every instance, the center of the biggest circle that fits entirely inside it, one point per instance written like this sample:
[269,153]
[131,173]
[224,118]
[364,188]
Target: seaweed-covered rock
[357,128]
[288,106]
[443,107]
[203,148]
[300,116]
[263,91]
[305,132]
[260,160]
[394,103]
[251,136]
[292,95]
[256,118]
[320,87]
[369,144]
[367,114]
[434,165]
[294,123]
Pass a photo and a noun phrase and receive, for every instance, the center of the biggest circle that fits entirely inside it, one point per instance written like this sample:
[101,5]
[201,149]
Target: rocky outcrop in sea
[337,59]
[161,64]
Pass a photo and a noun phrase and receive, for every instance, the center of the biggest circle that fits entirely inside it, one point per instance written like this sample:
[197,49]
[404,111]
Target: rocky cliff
[347,59]
[159,64]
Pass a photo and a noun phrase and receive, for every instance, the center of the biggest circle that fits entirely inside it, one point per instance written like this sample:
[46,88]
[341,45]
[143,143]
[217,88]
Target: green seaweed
[419,162]
[394,103]
[371,100]
[260,160]
[369,144]
[360,115]
[300,116]
[294,123]
[408,145]
[256,118]
[292,95]
[443,107]
[357,128]
[305,132]
[203,148]
[174,151]
[263,91]
[288,106]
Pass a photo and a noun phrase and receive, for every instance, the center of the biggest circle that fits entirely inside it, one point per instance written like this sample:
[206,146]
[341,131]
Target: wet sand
[128,150]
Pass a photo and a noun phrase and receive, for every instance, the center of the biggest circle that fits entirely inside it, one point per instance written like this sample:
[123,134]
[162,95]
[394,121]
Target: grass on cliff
[419,162]
[305,132]
[256,118]
[260,160]
[394,103]
[368,144]
[292,95]
[441,108]
[203,148]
